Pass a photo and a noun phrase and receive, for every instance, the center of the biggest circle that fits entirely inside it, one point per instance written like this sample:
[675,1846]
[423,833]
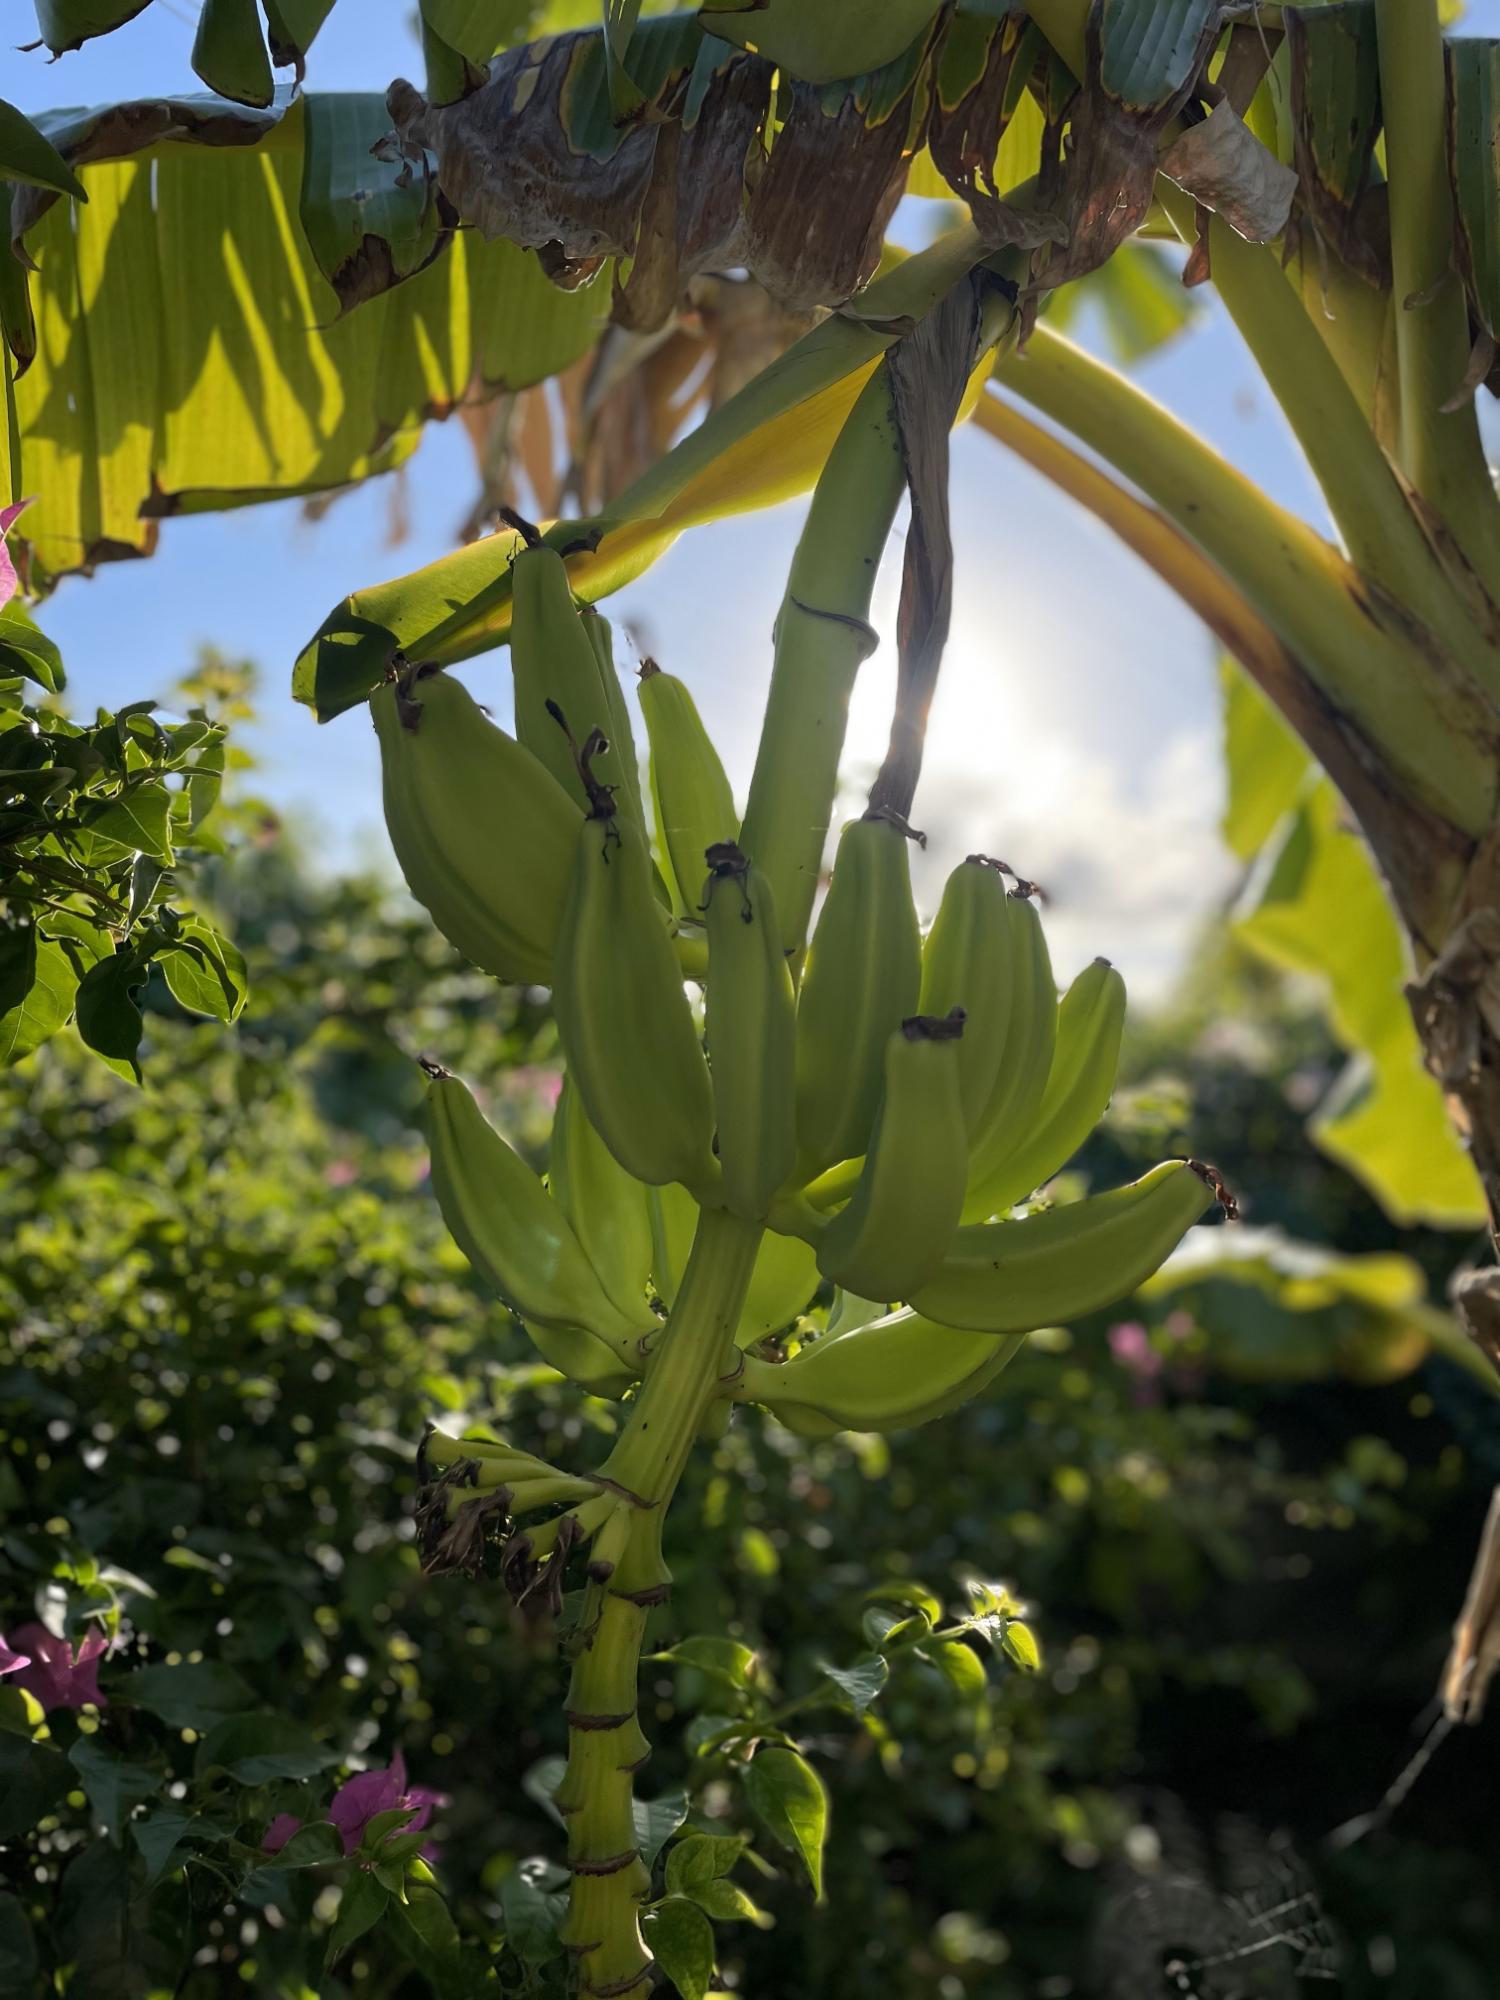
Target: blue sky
[1089,688]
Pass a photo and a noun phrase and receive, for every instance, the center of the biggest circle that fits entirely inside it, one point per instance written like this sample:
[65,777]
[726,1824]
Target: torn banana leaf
[181,346]
[766,444]
[1314,905]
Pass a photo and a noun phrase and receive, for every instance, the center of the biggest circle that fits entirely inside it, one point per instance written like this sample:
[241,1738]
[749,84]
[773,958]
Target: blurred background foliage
[1242,1510]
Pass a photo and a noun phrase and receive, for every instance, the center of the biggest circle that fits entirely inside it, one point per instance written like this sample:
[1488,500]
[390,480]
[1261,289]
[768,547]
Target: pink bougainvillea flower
[12,1663]
[1131,1346]
[279,1832]
[363,1799]
[60,1675]
[8,580]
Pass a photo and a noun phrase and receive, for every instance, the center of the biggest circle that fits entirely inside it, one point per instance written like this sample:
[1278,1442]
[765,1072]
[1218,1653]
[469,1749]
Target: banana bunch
[881,1104]
[482,830]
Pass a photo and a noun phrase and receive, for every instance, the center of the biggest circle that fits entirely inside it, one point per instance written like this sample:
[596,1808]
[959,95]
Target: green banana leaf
[28,155]
[186,347]
[1313,905]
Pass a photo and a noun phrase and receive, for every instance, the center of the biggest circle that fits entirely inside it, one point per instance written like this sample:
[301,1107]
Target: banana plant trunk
[1456,1004]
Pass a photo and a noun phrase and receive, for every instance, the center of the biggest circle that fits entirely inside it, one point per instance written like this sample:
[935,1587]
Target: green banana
[585,1359]
[511,1231]
[890,1374]
[1085,1058]
[606,1207]
[1026,1059]
[966,963]
[553,659]
[905,1207]
[864,969]
[618,727]
[484,834]
[694,805]
[1010,1277]
[781,1285]
[751,1033]
[229,52]
[626,1026]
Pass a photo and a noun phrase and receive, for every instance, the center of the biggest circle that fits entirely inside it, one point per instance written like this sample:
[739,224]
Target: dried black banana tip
[529,532]
[1024,891]
[601,796]
[460,1544]
[724,857]
[899,821]
[436,1071]
[1219,1187]
[536,1588]
[989,861]
[935,1027]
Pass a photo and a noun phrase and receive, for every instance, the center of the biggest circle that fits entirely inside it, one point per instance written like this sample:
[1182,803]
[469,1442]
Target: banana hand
[484,834]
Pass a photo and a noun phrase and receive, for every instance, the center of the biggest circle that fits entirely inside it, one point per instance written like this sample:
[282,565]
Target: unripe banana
[781,1288]
[585,1359]
[781,1285]
[864,968]
[627,1029]
[1010,1277]
[1085,1059]
[966,963]
[1031,1029]
[607,1207]
[484,834]
[511,1231]
[905,1207]
[890,1374]
[553,659]
[694,805]
[618,728]
[751,1032]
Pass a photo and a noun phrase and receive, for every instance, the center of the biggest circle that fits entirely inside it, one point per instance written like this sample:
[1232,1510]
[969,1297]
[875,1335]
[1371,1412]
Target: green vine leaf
[682,1943]
[787,1796]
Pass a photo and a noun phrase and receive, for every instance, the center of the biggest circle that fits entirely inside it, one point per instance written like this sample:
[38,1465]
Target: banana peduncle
[627,1576]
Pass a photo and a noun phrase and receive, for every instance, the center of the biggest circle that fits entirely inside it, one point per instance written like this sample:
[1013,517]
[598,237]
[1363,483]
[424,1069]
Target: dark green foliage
[98,823]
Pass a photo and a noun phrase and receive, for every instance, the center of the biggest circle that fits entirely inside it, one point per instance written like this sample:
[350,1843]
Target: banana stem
[1412,699]
[606,1745]
[822,636]
[1441,450]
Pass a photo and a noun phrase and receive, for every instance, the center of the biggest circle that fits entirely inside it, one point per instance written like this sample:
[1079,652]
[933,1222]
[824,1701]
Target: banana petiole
[588,1517]
[792,1215]
[834,1186]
